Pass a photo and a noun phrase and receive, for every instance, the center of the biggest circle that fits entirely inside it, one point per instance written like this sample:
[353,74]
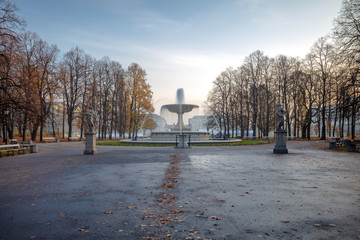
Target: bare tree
[10,27]
[72,84]
[324,55]
[88,63]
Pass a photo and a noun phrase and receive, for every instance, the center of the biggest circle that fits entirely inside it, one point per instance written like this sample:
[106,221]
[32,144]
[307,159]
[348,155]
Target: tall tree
[73,65]
[324,56]
[88,63]
[10,27]
[140,97]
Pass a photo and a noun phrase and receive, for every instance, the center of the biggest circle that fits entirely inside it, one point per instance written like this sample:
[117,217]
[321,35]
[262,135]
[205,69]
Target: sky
[181,43]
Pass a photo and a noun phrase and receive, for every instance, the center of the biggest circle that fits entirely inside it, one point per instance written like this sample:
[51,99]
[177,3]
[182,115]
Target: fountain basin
[180,108]
[171,136]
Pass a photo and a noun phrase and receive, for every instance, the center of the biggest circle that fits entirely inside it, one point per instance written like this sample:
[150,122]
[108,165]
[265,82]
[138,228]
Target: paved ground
[242,192]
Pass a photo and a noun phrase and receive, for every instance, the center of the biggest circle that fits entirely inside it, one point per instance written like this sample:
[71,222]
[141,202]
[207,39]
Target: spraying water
[179,108]
[180,98]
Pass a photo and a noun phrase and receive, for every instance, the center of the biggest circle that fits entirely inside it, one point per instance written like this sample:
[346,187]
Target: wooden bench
[74,139]
[353,146]
[49,139]
[26,144]
[12,148]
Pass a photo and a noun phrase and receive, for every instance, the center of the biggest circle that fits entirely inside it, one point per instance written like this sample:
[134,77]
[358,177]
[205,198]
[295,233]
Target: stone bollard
[346,142]
[351,147]
[33,148]
[332,145]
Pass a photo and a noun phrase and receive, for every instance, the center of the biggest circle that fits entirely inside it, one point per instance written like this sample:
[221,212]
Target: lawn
[147,144]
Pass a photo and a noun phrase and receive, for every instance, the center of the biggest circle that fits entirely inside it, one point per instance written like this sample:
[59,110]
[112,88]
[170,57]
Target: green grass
[243,142]
[5,154]
[139,144]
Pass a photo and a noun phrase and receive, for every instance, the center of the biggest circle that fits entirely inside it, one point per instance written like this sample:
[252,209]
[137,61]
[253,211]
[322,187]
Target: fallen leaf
[120,230]
[317,225]
[32,237]
[224,191]
[109,212]
[84,230]
[285,221]
[332,225]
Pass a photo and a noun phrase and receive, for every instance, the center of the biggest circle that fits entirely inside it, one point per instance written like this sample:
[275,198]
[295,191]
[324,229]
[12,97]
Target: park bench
[26,144]
[74,139]
[335,142]
[12,148]
[49,139]
[353,146]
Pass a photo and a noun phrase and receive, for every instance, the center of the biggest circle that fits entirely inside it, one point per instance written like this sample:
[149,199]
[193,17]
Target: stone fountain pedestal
[90,143]
[182,141]
[280,146]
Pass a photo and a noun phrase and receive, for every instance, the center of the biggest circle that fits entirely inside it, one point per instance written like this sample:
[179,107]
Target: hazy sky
[181,43]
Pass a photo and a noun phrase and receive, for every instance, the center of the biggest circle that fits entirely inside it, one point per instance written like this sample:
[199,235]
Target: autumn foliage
[41,88]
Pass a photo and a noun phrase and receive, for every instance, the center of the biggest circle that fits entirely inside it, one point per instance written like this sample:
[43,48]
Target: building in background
[198,123]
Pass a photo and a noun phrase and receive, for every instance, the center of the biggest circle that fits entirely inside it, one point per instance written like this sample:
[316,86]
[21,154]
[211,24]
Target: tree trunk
[267,114]
[70,117]
[34,132]
[323,115]
[41,125]
[41,131]
[63,121]
[23,129]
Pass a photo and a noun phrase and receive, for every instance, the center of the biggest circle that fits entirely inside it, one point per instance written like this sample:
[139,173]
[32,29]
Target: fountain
[180,108]
[179,133]
[180,130]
